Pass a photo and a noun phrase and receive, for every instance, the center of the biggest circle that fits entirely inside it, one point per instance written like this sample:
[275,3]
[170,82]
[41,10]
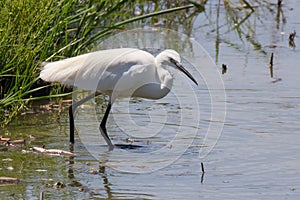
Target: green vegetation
[32,31]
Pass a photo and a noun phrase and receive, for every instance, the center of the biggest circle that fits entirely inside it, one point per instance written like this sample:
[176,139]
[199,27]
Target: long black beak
[181,68]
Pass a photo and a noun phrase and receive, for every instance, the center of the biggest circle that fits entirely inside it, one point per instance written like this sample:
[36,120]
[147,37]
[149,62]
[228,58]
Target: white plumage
[119,73]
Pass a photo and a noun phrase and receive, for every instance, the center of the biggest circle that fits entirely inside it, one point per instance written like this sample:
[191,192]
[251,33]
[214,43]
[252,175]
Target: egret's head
[170,58]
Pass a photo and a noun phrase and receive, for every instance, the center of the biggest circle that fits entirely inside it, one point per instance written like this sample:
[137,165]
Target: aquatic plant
[32,31]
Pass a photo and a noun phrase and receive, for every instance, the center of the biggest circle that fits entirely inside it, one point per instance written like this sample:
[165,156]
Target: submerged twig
[202,168]
[271,70]
[224,68]
[271,65]
[203,172]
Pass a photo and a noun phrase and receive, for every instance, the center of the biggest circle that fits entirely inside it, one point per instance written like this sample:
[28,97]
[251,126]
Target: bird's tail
[43,64]
[63,71]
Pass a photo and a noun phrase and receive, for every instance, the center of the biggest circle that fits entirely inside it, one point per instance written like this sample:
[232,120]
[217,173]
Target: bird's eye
[171,60]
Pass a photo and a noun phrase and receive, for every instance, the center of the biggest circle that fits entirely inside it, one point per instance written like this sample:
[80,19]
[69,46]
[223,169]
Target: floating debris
[7,159]
[224,68]
[52,151]
[15,142]
[26,151]
[292,36]
[59,184]
[276,80]
[108,165]
[41,170]
[10,168]
[93,171]
[8,180]
[292,39]
[3,139]
[31,138]
[11,143]
[129,140]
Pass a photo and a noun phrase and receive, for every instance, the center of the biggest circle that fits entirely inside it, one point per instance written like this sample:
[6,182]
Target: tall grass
[32,31]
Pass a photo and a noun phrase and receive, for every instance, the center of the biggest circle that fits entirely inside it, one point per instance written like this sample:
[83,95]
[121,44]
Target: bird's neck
[165,78]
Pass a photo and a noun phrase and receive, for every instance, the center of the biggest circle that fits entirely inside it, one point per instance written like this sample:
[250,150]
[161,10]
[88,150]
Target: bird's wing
[97,70]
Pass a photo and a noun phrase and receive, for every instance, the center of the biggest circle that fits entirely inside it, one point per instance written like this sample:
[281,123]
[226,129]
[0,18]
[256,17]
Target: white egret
[119,73]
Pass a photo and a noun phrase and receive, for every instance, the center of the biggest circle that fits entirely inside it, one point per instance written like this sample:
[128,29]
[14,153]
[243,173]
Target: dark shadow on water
[140,148]
[128,146]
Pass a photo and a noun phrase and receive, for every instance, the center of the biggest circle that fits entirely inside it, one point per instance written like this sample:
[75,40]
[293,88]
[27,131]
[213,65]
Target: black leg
[102,127]
[72,109]
[71,119]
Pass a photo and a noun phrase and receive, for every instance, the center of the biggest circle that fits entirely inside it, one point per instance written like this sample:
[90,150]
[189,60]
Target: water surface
[256,157]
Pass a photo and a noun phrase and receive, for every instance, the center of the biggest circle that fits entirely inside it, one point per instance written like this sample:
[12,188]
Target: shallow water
[256,156]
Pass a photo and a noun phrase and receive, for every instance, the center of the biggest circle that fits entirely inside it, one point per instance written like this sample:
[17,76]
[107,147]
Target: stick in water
[202,168]
[271,66]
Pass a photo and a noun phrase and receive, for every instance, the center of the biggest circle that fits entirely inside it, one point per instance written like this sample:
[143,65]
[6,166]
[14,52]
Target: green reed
[32,31]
